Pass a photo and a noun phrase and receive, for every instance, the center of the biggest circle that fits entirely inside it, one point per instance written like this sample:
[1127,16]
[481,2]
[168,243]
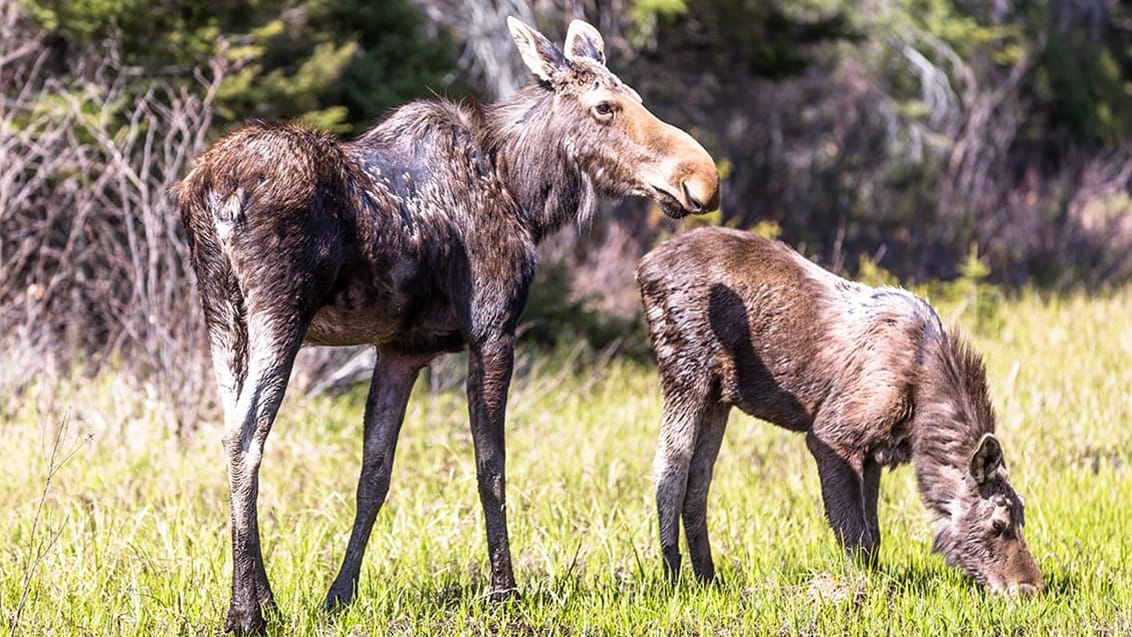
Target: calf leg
[271,349]
[678,432]
[871,487]
[711,429]
[842,487]
[489,375]
[392,382]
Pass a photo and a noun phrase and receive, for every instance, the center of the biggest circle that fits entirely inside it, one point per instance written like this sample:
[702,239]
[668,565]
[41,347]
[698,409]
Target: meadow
[114,525]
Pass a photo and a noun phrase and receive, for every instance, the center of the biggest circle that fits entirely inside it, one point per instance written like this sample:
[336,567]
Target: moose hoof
[865,556]
[245,621]
[671,564]
[337,599]
[708,578]
[501,595]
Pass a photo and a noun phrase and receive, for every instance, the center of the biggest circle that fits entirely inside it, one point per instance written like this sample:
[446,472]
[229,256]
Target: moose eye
[998,526]
[603,110]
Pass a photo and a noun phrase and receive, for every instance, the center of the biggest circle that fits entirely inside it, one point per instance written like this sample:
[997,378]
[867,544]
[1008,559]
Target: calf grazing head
[617,143]
[983,536]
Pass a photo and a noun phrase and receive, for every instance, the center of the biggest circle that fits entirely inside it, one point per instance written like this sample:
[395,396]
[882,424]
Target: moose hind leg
[842,488]
[272,346]
[393,379]
[700,472]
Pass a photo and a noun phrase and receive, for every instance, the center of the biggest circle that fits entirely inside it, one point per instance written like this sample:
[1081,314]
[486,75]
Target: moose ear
[539,54]
[583,40]
[986,459]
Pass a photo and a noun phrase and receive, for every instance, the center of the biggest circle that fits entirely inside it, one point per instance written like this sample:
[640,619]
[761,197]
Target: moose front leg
[871,488]
[843,488]
[489,375]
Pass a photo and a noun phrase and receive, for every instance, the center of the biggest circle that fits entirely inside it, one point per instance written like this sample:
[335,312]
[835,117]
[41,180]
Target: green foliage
[338,65]
[335,64]
[395,61]
[642,11]
[169,36]
[742,37]
[1085,83]
[767,229]
[1081,74]
[713,218]
[872,274]
[973,292]
[949,34]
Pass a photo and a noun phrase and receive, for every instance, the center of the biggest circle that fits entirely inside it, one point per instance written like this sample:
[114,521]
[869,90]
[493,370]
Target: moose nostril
[705,194]
[700,190]
[694,204]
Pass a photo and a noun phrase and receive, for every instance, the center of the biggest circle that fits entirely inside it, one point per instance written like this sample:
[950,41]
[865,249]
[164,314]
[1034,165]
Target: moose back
[868,374]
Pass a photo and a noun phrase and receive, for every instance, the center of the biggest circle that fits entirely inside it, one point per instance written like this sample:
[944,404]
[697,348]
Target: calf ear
[986,459]
[539,54]
[583,40]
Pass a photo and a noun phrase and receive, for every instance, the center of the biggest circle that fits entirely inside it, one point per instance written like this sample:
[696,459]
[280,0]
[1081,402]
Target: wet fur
[419,237]
[868,374]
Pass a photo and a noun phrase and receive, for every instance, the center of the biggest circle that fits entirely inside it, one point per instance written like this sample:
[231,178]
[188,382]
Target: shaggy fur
[419,237]
[869,375]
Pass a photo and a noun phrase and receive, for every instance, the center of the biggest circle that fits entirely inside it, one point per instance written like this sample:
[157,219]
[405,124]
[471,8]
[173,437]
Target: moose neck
[952,412]
[529,145]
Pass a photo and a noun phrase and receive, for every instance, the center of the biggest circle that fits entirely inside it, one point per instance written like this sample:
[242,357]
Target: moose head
[617,143]
[983,536]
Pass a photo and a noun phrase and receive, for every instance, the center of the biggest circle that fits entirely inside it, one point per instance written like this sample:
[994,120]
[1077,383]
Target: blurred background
[910,141]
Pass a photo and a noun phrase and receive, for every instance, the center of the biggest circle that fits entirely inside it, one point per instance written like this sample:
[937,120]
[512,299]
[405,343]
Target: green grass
[132,533]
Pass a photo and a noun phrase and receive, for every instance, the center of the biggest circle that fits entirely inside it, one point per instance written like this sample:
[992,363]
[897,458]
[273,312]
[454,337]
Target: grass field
[131,534]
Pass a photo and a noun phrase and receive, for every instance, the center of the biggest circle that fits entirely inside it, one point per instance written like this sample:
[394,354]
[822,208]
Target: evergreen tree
[335,64]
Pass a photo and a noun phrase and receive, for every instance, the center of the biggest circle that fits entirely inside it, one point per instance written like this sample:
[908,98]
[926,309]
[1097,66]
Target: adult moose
[870,375]
[419,238]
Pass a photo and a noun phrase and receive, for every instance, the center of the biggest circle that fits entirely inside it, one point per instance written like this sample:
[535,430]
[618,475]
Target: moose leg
[871,485]
[708,442]
[490,364]
[678,432]
[393,379]
[842,489]
[272,346]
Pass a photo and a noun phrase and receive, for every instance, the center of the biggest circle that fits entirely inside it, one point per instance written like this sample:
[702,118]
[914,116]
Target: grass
[129,536]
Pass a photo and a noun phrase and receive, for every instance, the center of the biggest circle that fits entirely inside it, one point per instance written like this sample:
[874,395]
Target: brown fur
[418,238]
[869,375]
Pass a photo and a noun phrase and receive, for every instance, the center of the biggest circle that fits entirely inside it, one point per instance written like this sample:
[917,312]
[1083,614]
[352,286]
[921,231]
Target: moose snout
[1022,578]
[1016,588]
[692,180]
[700,184]
[701,195]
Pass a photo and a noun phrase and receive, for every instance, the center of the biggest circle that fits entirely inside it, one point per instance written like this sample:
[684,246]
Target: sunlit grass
[133,535]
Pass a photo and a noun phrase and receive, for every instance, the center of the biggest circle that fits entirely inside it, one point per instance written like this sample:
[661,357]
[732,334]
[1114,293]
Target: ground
[129,535]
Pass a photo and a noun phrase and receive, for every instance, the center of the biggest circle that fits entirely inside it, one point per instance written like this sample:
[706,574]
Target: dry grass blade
[57,458]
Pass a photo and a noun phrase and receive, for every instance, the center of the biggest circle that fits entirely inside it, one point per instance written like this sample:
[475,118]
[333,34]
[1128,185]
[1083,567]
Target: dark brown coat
[418,238]
[870,375]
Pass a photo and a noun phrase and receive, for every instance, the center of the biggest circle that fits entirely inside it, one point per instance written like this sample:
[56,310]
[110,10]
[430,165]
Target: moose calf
[869,374]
